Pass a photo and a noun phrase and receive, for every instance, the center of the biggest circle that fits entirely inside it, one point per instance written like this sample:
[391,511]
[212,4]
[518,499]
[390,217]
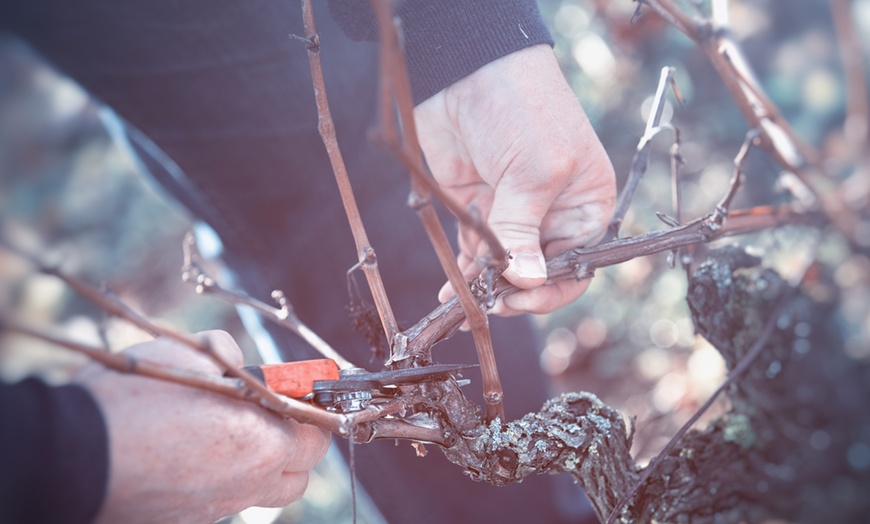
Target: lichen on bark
[781,452]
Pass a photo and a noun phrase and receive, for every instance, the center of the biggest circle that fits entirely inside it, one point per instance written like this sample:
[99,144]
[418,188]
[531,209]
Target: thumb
[526,265]
[515,220]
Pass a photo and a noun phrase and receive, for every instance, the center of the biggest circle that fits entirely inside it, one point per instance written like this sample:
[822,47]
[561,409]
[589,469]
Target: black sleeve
[53,454]
[446,40]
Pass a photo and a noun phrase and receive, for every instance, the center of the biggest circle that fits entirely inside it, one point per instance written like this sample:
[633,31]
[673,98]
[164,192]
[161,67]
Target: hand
[512,141]
[180,454]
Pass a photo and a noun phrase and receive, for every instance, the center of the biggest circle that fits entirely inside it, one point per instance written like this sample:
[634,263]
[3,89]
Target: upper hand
[512,141]
[181,454]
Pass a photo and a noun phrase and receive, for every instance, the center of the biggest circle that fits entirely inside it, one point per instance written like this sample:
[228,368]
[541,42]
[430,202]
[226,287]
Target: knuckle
[509,230]
[562,164]
[319,442]
[309,445]
[223,344]
[294,488]
[288,489]
[218,337]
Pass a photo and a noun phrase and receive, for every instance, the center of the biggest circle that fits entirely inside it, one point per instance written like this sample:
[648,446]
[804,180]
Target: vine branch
[325,126]
[193,271]
[396,92]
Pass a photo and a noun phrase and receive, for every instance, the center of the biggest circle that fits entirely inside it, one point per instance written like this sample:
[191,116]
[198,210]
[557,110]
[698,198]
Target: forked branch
[396,93]
[365,252]
[194,271]
[640,162]
[582,262]
[713,38]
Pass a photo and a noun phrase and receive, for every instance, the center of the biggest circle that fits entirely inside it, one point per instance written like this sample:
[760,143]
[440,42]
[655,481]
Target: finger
[499,309]
[526,269]
[171,352]
[308,446]
[581,214]
[223,345]
[516,219]
[288,450]
[287,489]
[542,299]
[446,292]
[468,265]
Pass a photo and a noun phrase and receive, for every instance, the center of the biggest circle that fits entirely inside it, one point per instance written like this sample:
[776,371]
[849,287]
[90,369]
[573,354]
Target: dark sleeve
[53,454]
[446,40]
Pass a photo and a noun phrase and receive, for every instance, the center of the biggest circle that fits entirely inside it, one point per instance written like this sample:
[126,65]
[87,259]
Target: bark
[792,447]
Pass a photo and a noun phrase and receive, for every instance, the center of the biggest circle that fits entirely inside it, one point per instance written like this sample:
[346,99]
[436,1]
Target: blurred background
[70,194]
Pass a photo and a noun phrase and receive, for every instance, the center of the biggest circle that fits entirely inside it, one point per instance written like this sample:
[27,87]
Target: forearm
[53,454]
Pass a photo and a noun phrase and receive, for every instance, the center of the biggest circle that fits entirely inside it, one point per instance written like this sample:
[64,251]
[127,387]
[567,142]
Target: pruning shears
[346,390]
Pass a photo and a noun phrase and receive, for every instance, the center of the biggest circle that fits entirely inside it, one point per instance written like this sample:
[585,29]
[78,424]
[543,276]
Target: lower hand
[180,454]
[511,141]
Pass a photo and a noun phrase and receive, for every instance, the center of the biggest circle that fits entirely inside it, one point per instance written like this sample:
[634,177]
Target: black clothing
[220,89]
[53,460]
[446,40]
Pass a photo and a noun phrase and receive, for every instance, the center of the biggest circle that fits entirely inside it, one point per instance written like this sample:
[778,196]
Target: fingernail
[529,264]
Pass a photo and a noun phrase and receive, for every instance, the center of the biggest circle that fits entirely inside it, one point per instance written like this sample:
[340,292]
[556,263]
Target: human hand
[511,140]
[180,454]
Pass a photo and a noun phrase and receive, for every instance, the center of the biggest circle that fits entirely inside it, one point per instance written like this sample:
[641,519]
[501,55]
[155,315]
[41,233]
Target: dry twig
[395,83]
[640,162]
[857,122]
[193,271]
[365,252]
[712,36]
[253,391]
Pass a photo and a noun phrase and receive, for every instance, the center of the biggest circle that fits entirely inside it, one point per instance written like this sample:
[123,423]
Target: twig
[193,271]
[654,119]
[234,388]
[352,466]
[395,82]
[109,306]
[752,137]
[677,162]
[675,17]
[641,157]
[115,307]
[720,212]
[124,363]
[777,137]
[795,153]
[855,127]
[463,215]
[582,262]
[326,128]
[726,56]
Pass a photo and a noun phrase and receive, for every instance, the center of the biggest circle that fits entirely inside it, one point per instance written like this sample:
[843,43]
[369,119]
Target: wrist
[446,40]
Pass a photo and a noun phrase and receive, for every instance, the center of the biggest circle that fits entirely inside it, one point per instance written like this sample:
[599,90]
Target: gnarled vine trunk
[793,446]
